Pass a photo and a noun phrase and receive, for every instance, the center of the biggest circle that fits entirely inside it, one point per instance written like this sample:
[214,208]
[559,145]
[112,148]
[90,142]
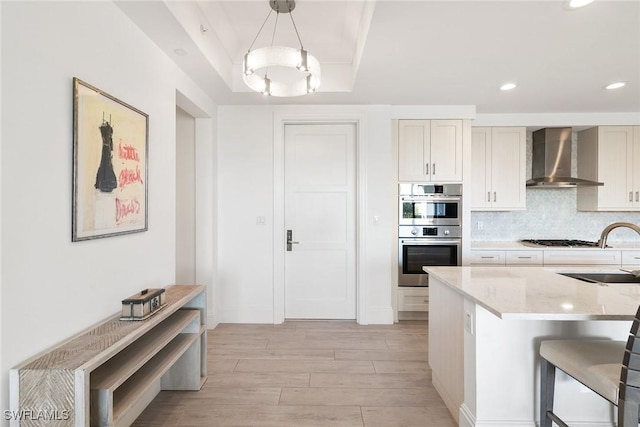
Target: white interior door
[320,211]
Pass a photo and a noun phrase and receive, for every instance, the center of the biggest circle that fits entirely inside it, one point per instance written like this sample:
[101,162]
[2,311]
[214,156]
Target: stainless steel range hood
[551,165]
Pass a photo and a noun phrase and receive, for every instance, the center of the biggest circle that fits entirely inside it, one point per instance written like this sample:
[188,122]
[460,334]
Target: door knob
[290,241]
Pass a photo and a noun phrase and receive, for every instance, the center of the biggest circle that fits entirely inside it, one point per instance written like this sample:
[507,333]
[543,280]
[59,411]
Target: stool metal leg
[547,384]
[627,414]
[628,406]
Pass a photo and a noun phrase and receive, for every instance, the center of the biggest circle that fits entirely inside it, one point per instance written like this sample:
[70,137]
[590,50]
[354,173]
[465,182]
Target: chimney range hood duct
[551,165]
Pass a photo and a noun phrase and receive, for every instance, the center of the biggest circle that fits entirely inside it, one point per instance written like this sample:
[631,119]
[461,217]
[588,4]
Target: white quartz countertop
[539,293]
[502,246]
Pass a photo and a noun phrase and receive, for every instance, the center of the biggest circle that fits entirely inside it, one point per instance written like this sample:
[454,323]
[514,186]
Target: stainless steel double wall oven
[428,230]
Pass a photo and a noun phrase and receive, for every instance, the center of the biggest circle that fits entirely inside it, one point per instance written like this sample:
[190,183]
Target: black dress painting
[106,177]
[110,141]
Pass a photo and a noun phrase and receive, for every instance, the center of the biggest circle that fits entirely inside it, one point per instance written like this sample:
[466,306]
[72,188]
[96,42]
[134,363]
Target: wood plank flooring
[310,374]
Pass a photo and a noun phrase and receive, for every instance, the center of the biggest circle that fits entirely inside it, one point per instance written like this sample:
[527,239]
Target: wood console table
[108,374]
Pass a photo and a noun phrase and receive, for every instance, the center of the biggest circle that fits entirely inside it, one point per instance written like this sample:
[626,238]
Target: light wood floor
[310,373]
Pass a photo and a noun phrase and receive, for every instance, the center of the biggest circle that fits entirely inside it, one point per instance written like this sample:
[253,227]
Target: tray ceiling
[417,52]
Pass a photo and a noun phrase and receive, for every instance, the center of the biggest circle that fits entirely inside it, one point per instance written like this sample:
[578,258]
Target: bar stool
[609,368]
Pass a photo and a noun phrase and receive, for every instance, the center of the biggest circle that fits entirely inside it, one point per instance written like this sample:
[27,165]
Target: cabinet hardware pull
[426,168]
[488,196]
[487,257]
[524,257]
[433,169]
[425,301]
[495,199]
[631,196]
[637,196]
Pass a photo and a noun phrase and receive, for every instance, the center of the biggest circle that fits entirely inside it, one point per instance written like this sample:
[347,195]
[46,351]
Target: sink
[604,277]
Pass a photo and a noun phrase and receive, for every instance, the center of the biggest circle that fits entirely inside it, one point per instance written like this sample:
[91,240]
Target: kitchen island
[485,329]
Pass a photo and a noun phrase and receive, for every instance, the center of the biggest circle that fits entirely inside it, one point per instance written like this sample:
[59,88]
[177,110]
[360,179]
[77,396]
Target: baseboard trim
[413,315]
[243,314]
[468,419]
[446,398]
[380,316]
[212,321]
[504,424]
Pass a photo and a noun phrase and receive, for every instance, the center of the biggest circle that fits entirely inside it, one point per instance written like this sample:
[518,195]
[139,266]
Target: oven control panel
[416,231]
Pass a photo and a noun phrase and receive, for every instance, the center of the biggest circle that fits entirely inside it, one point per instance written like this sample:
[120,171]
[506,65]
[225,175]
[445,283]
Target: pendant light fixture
[305,77]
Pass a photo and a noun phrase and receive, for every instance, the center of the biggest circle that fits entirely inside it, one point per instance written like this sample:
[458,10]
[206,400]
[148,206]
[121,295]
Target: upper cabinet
[498,168]
[610,154]
[430,150]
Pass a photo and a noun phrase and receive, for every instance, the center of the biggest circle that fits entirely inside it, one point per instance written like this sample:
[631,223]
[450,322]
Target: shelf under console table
[108,374]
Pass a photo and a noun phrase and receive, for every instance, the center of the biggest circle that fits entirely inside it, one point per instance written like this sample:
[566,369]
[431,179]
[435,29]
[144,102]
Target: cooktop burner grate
[568,243]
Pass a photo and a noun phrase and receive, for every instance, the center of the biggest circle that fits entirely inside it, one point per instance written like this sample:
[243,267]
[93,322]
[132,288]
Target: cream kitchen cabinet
[487,257]
[498,168]
[413,299]
[610,154]
[532,257]
[506,257]
[589,257]
[631,257]
[430,150]
[614,258]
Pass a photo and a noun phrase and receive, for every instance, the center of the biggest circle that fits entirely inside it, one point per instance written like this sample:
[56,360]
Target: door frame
[291,117]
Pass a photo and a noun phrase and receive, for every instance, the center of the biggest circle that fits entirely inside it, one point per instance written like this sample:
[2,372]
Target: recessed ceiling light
[575,4]
[508,86]
[180,52]
[616,85]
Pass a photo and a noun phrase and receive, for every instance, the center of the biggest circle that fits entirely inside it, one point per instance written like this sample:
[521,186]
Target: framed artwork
[110,153]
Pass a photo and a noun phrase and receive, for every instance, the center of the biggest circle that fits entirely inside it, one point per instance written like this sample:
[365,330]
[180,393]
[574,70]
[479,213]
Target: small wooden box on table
[107,375]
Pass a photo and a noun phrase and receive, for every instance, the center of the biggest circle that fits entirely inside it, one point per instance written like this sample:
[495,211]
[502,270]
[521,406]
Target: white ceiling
[417,52]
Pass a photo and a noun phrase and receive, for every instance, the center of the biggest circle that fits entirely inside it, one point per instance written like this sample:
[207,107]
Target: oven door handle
[428,241]
[430,198]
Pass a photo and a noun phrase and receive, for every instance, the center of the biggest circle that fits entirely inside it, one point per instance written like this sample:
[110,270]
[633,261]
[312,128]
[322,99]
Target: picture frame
[110,165]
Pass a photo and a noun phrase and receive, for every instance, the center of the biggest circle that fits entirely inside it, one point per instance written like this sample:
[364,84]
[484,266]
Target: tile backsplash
[552,214]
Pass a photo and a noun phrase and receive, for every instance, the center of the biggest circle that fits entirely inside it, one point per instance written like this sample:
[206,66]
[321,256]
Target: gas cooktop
[566,243]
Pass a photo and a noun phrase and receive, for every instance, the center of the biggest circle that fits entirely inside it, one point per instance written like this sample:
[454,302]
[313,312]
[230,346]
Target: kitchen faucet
[605,233]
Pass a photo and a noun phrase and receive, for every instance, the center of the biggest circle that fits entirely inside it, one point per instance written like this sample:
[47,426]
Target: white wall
[380,189]
[2,388]
[185,198]
[246,190]
[52,288]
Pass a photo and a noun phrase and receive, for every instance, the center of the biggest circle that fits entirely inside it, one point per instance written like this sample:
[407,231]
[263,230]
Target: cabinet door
[487,257]
[446,150]
[615,166]
[582,257]
[413,299]
[413,150]
[480,168]
[630,258]
[635,167]
[524,257]
[508,174]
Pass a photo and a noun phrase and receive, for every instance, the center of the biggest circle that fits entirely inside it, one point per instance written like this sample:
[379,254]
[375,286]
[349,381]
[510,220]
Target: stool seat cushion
[595,363]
